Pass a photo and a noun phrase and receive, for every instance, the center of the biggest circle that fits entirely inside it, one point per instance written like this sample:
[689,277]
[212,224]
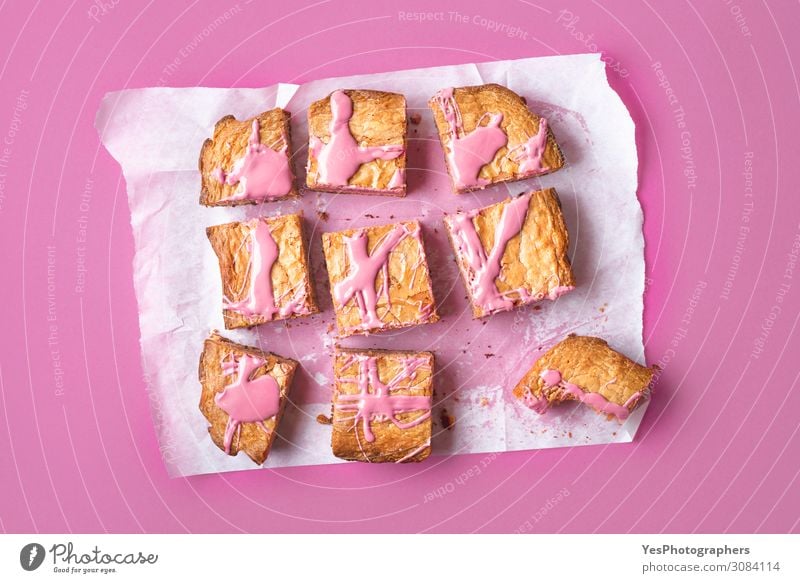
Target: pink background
[718,449]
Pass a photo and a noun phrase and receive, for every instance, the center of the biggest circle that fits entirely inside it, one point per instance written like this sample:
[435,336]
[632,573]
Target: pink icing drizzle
[364,268]
[247,400]
[553,382]
[262,173]
[381,404]
[468,153]
[260,299]
[529,155]
[340,158]
[398,178]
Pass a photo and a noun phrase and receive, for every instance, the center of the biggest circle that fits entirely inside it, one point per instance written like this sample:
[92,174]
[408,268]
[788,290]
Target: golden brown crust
[230,143]
[411,299]
[536,259]
[391,443]
[250,438]
[519,124]
[290,270]
[379,119]
[591,364]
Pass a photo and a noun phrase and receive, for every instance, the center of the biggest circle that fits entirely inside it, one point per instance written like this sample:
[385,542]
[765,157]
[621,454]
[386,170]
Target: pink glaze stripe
[262,174]
[247,400]
[260,299]
[379,404]
[468,153]
[341,157]
[398,179]
[529,155]
[554,382]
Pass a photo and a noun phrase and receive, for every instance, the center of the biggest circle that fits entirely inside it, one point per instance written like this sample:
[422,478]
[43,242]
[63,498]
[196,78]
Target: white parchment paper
[156,135]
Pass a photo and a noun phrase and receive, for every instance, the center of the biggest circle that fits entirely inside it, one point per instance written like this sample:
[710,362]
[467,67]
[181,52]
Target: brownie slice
[357,143]
[244,393]
[379,278]
[265,272]
[248,162]
[512,253]
[382,405]
[585,369]
[489,136]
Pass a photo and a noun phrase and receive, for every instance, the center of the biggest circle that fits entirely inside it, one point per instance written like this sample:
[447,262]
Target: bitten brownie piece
[584,368]
[379,278]
[489,135]
[248,162]
[264,268]
[512,253]
[357,143]
[244,393]
[382,405]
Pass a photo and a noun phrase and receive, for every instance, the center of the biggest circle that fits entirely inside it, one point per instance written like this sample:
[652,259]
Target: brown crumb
[488,354]
[415,118]
[324,419]
[447,420]
[537,307]
[323,216]
[369,216]
[570,434]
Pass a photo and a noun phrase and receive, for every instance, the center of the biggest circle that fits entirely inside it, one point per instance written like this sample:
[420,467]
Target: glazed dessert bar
[264,267]
[585,369]
[489,136]
[248,162]
[512,253]
[379,278]
[244,391]
[357,143]
[382,405]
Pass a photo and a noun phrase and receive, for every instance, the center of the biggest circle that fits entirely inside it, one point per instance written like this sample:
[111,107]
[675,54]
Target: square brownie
[357,143]
[264,267]
[379,278]
[512,253]
[248,162]
[244,393]
[489,136]
[585,369]
[382,405]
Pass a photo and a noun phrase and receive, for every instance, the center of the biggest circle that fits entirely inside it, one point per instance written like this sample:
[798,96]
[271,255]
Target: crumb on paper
[324,419]
[415,118]
[323,216]
[447,420]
